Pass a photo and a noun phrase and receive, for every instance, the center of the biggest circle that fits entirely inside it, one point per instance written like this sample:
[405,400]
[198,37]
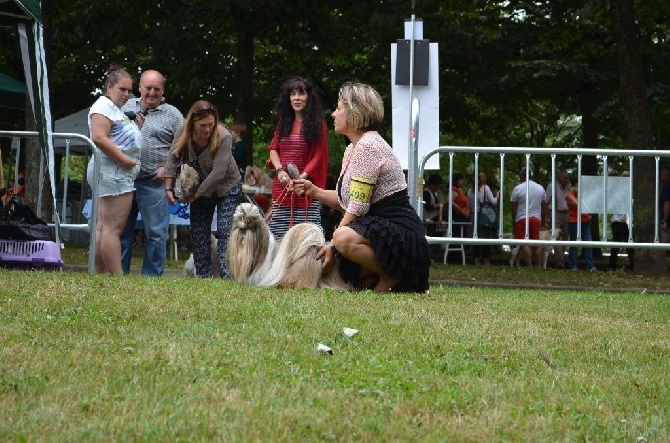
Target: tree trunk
[588,105]
[638,135]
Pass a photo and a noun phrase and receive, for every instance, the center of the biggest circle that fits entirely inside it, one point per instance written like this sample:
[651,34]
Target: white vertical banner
[429,113]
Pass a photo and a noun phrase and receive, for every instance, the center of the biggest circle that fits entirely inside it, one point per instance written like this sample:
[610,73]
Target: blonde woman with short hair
[380,243]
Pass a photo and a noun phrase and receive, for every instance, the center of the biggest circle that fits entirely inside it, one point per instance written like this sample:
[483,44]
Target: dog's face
[247,216]
[255,176]
[251,177]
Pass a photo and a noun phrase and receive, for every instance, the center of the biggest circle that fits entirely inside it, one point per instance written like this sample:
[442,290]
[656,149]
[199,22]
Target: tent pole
[66,180]
[16,147]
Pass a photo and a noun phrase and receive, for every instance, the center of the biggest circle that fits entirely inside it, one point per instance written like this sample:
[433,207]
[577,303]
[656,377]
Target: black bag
[19,222]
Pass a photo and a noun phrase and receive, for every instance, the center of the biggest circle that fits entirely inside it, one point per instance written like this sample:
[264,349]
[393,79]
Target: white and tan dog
[515,259]
[250,245]
[189,266]
[254,259]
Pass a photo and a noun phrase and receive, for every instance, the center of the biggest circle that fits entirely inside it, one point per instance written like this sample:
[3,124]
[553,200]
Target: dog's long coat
[255,259]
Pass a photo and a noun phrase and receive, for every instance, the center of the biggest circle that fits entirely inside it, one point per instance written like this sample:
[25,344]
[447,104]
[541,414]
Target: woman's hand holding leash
[303,186]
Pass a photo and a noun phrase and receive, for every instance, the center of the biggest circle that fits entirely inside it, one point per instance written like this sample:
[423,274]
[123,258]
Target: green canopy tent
[12,94]
[27,17]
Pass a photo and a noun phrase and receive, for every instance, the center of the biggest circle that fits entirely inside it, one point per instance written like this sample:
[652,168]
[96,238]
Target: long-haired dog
[250,245]
[254,259]
[255,176]
[295,264]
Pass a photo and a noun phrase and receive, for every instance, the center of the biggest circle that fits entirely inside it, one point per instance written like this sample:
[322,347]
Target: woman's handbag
[487,217]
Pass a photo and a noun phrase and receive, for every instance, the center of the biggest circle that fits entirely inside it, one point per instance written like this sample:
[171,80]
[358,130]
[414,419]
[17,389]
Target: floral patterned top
[371,171]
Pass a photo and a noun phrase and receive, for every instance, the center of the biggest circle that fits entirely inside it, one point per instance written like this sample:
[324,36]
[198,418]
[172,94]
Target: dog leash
[308,203]
[275,206]
[282,196]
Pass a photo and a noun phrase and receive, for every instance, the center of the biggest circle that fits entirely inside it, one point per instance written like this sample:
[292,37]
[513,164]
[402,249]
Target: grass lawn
[93,357]
[499,275]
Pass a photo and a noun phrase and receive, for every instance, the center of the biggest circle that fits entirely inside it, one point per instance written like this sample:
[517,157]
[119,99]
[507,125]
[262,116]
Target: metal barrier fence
[603,156]
[60,222]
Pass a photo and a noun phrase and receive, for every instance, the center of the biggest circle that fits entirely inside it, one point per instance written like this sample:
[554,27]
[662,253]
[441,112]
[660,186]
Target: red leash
[280,200]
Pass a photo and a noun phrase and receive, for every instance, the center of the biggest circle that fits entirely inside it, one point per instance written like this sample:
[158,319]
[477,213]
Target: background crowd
[532,217]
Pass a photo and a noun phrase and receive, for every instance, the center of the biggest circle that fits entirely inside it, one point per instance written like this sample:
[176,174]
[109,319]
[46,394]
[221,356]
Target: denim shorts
[115,180]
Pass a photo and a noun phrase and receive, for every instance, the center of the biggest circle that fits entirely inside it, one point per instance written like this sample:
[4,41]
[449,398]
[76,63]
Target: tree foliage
[514,73]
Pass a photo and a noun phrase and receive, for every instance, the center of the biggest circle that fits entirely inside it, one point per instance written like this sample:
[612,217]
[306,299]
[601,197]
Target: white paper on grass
[350,332]
[323,348]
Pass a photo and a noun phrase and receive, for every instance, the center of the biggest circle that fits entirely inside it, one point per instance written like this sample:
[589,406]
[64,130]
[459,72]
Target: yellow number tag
[360,190]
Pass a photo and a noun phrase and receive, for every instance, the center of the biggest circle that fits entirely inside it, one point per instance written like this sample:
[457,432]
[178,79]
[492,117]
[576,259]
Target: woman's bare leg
[99,265]
[112,219]
[358,249]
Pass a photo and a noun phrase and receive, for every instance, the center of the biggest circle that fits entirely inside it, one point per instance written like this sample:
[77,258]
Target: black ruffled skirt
[399,241]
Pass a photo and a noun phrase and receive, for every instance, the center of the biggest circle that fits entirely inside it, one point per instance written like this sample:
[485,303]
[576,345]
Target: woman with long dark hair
[301,139]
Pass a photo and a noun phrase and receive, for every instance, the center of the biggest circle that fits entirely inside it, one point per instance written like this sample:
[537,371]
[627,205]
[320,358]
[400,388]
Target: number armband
[360,189]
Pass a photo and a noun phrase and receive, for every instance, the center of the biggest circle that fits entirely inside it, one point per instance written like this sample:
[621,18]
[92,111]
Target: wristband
[280,170]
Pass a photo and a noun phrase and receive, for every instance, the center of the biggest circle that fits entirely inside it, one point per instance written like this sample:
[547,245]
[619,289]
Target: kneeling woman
[206,145]
[380,241]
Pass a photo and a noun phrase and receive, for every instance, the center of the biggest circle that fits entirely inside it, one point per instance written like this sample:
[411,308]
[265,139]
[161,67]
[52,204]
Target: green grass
[499,275]
[92,357]
[76,254]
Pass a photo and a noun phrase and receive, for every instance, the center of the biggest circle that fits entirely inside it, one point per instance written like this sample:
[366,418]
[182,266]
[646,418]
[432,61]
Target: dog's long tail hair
[295,264]
[250,244]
